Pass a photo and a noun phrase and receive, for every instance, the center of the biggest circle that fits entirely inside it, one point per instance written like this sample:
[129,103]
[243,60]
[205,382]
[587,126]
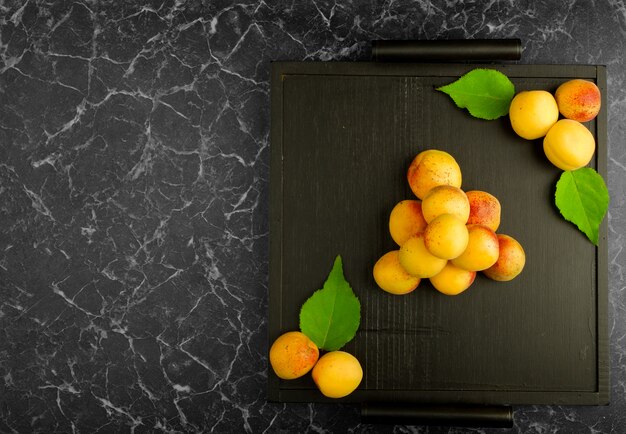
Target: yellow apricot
[445,199]
[431,168]
[391,277]
[337,374]
[452,280]
[578,99]
[446,236]
[569,145]
[532,113]
[417,260]
[485,209]
[482,249]
[292,355]
[406,220]
[511,260]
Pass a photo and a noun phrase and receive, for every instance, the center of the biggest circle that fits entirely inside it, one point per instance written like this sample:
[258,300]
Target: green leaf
[583,199]
[331,316]
[486,93]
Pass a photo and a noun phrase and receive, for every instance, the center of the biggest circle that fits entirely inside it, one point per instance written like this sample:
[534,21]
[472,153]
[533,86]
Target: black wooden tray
[343,135]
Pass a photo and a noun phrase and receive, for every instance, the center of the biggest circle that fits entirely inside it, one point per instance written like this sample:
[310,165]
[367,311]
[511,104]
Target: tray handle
[451,50]
[443,415]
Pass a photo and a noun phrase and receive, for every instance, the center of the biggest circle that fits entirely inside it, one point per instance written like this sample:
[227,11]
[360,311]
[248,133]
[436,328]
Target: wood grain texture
[343,136]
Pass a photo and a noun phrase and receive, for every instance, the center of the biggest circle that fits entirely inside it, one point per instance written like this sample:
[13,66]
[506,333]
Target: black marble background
[134,167]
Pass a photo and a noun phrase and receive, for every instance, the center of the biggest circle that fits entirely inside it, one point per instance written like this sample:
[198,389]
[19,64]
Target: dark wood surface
[343,136]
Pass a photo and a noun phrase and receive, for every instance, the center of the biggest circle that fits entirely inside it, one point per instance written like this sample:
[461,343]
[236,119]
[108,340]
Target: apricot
[579,100]
[482,249]
[445,199]
[431,168]
[569,145]
[337,374]
[406,219]
[511,260]
[292,355]
[452,280]
[532,113]
[391,277]
[485,209]
[446,236]
[417,260]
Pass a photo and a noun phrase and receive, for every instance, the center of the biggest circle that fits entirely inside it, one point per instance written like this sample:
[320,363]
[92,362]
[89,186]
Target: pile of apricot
[446,236]
[567,143]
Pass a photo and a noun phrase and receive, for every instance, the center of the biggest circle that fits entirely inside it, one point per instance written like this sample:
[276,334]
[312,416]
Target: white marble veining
[134,171]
